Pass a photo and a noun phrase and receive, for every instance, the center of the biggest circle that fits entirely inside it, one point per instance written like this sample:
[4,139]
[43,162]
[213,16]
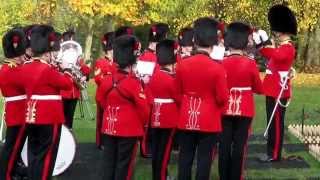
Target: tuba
[69,58]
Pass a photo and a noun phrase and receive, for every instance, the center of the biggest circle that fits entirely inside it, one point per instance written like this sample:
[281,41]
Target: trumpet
[81,80]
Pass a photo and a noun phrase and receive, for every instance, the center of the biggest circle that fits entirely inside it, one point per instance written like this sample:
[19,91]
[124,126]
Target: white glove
[256,38]
[263,35]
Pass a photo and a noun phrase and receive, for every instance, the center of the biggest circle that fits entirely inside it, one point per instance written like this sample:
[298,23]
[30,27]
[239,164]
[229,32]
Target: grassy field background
[306,94]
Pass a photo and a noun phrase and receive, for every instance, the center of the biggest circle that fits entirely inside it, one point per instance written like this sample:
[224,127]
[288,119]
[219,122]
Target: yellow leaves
[87,7]
[307,12]
[15,12]
[128,10]
[310,80]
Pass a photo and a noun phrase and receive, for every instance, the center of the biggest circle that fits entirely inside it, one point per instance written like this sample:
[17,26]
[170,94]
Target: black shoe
[267,159]
[101,147]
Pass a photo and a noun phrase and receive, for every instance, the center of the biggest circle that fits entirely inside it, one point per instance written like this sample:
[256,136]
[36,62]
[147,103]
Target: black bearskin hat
[158,32]
[205,32]
[42,39]
[27,31]
[123,30]
[107,40]
[282,19]
[236,36]
[165,51]
[124,48]
[14,43]
[185,37]
[68,35]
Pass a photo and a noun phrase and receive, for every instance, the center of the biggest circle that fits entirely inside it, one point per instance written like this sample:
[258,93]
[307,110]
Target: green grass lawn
[307,97]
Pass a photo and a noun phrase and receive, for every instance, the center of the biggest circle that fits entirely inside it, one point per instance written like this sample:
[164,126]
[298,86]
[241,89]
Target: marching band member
[165,108]
[123,30]
[68,35]
[71,97]
[243,80]
[44,112]
[27,31]
[14,47]
[280,58]
[103,67]
[203,86]
[55,49]
[221,32]
[126,111]
[185,40]
[157,33]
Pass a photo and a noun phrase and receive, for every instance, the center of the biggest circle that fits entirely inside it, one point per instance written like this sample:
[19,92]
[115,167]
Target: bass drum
[66,152]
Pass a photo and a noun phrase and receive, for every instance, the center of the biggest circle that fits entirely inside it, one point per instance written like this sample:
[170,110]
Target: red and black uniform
[103,67]
[14,116]
[44,115]
[203,86]
[145,148]
[163,120]
[126,112]
[243,81]
[71,97]
[280,60]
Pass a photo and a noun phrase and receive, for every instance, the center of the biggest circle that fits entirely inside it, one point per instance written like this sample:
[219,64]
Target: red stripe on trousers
[166,157]
[132,162]
[144,143]
[277,127]
[214,152]
[14,153]
[99,125]
[48,158]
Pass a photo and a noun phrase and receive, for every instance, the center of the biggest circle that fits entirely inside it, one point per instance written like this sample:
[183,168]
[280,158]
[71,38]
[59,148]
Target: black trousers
[11,151]
[43,142]
[276,130]
[69,107]
[119,157]
[233,146]
[161,149]
[190,143]
[99,117]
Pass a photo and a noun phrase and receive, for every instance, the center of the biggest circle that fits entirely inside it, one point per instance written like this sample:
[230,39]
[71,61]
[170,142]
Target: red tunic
[42,84]
[165,100]
[74,92]
[14,95]
[203,85]
[126,108]
[243,80]
[103,67]
[280,60]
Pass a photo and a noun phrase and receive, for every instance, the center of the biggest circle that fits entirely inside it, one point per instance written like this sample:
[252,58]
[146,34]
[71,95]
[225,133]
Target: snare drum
[66,152]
